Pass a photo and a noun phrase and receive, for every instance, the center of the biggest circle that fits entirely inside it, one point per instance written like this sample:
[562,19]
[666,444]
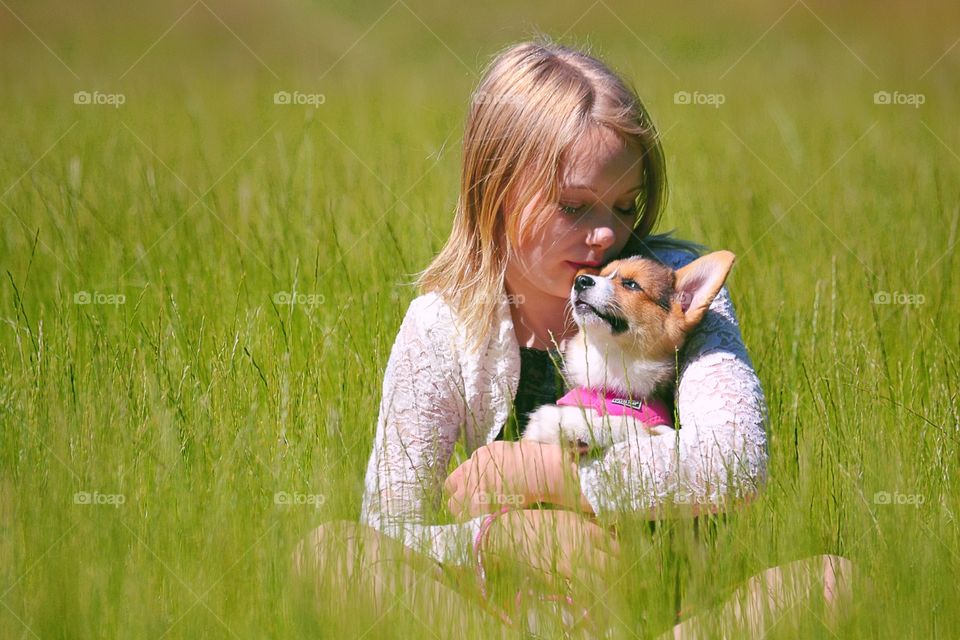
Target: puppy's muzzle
[582,282]
[591,299]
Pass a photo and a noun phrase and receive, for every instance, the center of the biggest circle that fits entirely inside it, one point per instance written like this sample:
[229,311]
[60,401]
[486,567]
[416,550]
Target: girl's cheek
[561,233]
[529,256]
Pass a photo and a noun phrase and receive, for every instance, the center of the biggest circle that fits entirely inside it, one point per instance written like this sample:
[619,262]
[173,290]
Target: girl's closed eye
[574,209]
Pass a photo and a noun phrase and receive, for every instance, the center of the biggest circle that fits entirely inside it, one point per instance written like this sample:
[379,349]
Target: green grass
[198,398]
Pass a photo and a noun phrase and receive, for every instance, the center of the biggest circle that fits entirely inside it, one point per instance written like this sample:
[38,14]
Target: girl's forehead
[600,158]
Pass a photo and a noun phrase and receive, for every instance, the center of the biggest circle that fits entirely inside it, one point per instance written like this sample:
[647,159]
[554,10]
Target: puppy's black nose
[582,282]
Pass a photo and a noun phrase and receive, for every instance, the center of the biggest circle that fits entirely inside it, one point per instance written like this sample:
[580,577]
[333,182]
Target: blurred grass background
[199,200]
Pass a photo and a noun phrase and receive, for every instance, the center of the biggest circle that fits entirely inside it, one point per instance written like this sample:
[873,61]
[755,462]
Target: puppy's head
[644,307]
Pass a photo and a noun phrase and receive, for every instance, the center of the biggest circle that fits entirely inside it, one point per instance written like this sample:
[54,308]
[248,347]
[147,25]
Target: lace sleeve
[720,450]
[421,413]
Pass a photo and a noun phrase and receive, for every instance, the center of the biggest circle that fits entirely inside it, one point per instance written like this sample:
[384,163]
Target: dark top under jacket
[540,383]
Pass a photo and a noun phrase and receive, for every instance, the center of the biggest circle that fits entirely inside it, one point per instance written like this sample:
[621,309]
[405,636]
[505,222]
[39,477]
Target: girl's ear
[698,283]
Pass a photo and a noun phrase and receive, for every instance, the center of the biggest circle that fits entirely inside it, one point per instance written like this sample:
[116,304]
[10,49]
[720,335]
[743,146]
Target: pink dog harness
[649,413]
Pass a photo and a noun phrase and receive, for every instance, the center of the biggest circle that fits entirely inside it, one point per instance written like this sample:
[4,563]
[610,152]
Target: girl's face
[589,225]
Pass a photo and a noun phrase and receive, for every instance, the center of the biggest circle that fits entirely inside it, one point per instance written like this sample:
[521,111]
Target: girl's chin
[560,292]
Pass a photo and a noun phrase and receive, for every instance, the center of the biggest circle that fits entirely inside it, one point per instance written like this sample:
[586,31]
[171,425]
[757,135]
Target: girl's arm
[421,413]
[720,451]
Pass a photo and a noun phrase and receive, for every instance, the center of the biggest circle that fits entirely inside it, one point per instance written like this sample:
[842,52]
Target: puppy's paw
[661,430]
[544,425]
[552,424]
[629,429]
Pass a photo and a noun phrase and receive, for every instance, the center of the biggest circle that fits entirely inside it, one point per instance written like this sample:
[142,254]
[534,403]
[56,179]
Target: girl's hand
[552,543]
[516,474]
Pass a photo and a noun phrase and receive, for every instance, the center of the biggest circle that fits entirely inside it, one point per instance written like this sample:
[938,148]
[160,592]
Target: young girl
[562,168]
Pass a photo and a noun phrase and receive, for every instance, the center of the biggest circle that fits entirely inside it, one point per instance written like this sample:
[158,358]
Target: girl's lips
[583,265]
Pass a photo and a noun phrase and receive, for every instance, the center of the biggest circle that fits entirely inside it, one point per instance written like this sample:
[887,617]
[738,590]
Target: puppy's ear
[697,285]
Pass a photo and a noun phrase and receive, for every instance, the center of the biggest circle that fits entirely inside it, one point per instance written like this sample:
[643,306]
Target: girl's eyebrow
[589,188]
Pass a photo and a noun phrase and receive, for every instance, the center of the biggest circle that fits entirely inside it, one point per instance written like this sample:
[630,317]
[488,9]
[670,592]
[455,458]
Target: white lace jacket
[434,391]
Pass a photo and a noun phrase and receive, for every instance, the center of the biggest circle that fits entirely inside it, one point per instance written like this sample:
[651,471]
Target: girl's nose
[602,237]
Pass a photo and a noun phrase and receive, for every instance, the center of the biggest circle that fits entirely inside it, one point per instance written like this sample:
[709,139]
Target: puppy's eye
[631,284]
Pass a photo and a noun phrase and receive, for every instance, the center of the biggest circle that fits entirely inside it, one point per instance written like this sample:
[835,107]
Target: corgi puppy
[633,315]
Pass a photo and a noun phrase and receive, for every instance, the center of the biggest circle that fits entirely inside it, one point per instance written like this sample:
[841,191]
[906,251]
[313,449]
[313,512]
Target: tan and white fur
[632,316]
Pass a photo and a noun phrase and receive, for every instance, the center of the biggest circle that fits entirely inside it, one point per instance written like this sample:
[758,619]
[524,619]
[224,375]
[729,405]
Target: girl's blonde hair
[534,101]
